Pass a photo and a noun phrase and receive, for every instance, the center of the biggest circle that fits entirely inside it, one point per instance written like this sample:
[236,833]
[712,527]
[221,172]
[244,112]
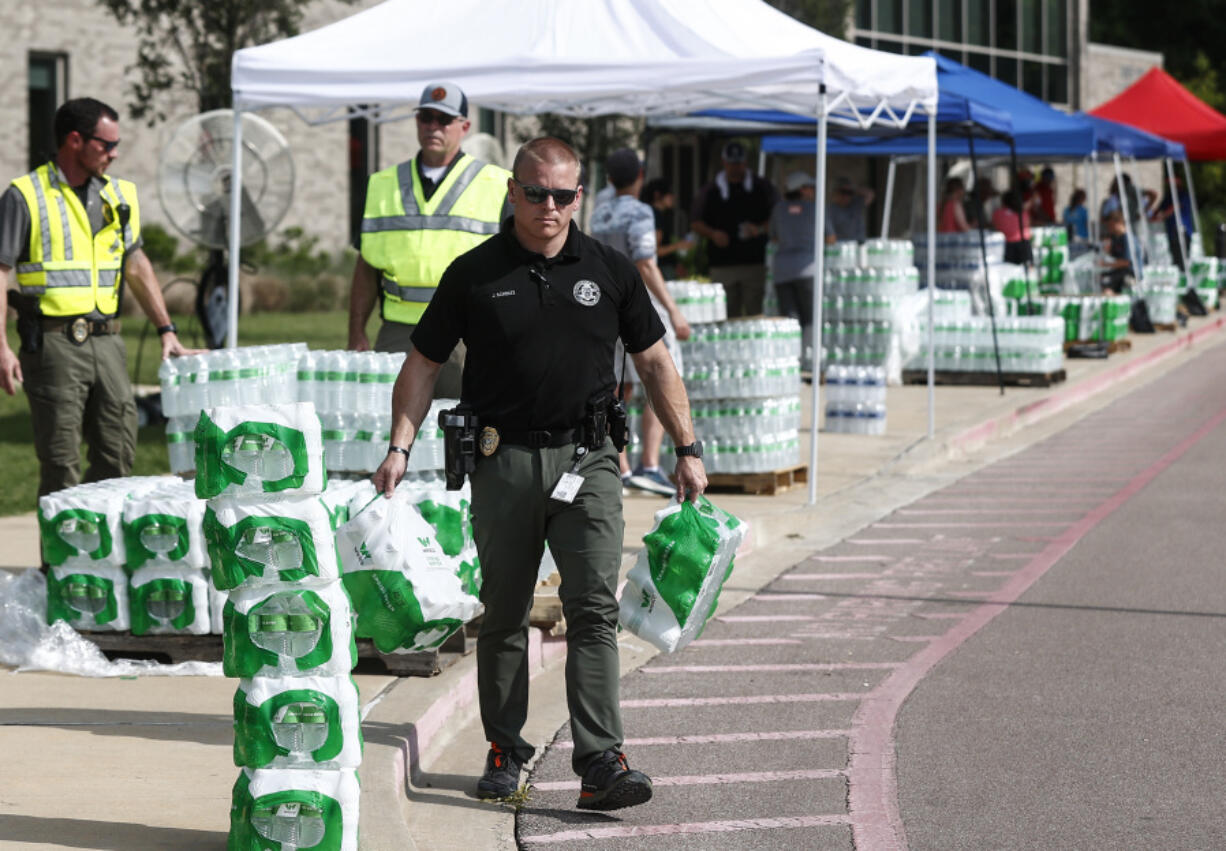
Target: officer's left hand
[691,478]
[172,348]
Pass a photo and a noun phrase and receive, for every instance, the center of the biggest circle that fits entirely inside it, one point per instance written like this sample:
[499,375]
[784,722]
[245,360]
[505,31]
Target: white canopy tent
[584,58]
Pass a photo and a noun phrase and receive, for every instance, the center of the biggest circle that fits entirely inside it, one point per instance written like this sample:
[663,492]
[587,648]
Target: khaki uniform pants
[75,390]
[395,337]
[513,517]
[745,286]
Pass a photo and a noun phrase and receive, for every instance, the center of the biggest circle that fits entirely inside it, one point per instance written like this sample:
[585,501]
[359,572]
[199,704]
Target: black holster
[459,427]
[30,330]
[605,416]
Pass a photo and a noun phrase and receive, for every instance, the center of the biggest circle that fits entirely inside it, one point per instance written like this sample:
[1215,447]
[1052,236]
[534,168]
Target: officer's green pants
[513,516]
[74,391]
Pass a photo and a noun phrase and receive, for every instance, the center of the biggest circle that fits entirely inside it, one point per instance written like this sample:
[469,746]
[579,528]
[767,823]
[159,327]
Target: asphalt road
[1029,658]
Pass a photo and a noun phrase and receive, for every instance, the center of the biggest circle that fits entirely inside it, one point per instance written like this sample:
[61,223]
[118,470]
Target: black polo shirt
[539,330]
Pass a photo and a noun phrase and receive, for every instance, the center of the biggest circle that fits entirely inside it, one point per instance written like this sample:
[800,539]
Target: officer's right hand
[720,238]
[10,370]
[390,472]
[359,342]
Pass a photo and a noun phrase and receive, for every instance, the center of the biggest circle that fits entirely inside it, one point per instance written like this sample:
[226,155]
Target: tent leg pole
[931,271]
[888,201]
[236,229]
[1095,201]
[819,281]
[1180,229]
[1187,170]
[1144,219]
[983,254]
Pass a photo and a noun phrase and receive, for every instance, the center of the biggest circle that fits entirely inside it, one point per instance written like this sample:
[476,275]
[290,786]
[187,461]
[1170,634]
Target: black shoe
[610,784]
[501,777]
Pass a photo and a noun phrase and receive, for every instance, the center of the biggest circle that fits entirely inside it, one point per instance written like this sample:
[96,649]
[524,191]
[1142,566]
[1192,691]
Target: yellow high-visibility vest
[412,241]
[71,270]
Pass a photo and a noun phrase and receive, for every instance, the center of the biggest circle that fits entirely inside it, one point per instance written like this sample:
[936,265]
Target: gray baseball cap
[444,97]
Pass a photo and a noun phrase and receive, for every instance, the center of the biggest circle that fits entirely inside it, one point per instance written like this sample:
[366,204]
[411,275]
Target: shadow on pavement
[106,835]
[157,726]
[571,818]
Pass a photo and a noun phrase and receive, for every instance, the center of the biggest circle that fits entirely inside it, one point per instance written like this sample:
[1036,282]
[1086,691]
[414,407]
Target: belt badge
[489,440]
[79,330]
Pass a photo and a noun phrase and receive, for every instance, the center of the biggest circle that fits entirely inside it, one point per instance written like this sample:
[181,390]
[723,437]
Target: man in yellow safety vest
[73,235]
[419,216]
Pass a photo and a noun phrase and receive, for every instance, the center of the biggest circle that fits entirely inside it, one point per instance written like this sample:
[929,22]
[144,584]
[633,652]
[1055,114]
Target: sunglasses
[108,145]
[430,116]
[537,194]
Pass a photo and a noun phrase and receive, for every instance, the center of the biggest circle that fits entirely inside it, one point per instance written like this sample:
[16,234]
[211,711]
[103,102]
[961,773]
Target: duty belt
[79,329]
[539,438]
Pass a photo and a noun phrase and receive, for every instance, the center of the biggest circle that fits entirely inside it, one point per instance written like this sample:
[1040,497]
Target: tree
[829,16]
[187,45]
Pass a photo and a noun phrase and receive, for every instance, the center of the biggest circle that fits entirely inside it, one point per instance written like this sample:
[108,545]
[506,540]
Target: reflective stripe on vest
[411,240]
[71,270]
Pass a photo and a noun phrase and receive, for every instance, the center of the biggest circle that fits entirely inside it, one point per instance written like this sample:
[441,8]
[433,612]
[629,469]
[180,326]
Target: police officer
[419,216]
[72,233]
[540,306]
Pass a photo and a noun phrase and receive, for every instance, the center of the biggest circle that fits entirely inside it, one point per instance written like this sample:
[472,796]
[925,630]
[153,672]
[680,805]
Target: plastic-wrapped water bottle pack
[699,301]
[855,400]
[1027,344]
[743,359]
[344,382]
[247,376]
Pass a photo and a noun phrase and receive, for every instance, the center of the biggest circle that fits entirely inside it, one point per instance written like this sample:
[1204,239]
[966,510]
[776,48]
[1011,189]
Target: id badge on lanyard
[568,486]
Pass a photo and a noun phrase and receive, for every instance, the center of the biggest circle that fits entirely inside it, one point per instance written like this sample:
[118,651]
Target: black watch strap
[693,450]
[394,448]
[169,328]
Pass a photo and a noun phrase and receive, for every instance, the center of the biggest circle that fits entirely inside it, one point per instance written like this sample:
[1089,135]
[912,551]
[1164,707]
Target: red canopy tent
[1158,103]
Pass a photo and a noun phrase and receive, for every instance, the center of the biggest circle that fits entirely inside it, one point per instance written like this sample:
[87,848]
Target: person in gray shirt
[793,230]
[846,210]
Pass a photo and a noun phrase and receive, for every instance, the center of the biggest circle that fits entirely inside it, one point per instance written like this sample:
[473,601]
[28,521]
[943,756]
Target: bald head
[545,150]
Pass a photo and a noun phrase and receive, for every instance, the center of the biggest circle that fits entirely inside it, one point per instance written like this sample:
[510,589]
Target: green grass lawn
[19,479]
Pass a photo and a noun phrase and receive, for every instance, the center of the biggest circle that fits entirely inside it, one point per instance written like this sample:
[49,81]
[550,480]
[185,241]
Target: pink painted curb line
[1032,412]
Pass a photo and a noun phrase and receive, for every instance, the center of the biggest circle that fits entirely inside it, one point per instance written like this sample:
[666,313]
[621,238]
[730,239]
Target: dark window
[864,14]
[1057,28]
[949,20]
[981,62]
[918,49]
[1057,84]
[47,90]
[889,16]
[1006,24]
[864,41]
[979,22]
[1032,26]
[1032,78]
[1006,70]
[487,121]
[919,18]
[889,46]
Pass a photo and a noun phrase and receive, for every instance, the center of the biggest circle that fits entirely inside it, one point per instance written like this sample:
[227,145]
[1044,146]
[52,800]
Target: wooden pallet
[1121,345]
[769,484]
[985,379]
[1165,326]
[172,649]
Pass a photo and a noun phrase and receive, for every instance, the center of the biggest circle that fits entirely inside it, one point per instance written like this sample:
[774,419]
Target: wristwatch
[694,450]
[169,328]
[394,448]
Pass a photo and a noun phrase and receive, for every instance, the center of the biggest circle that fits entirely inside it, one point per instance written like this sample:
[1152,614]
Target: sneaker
[610,784]
[625,487]
[652,480]
[501,777]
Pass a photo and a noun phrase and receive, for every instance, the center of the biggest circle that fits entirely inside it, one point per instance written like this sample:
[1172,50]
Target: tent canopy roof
[1116,138]
[1159,104]
[581,58]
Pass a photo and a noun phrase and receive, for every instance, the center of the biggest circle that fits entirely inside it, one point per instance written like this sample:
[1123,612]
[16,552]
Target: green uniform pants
[75,390]
[395,337]
[513,517]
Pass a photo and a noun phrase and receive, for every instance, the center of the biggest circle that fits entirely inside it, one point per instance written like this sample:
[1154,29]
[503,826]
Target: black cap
[623,167]
[734,152]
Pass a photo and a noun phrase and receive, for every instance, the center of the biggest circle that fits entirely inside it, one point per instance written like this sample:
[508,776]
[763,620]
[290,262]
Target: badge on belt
[489,440]
[78,331]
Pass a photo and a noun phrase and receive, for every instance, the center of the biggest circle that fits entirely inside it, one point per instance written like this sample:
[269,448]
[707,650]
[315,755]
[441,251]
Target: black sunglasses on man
[537,194]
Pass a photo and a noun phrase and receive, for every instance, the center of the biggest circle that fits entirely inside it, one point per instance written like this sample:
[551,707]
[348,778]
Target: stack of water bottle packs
[351,392]
[1204,274]
[855,400]
[868,309]
[286,626]
[749,371]
[699,301]
[1087,318]
[963,342]
[1049,247]
[1160,291]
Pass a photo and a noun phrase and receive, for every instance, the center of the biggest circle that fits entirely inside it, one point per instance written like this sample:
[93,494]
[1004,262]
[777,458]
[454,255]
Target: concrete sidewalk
[156,772]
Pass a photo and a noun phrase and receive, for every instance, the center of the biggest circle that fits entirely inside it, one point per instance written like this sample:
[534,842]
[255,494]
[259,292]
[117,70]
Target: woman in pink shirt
[951,217]
[1014,222]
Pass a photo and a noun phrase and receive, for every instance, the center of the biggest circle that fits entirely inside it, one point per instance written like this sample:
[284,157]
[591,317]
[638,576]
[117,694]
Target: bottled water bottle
[168,377]
[285,626]
[260,456]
